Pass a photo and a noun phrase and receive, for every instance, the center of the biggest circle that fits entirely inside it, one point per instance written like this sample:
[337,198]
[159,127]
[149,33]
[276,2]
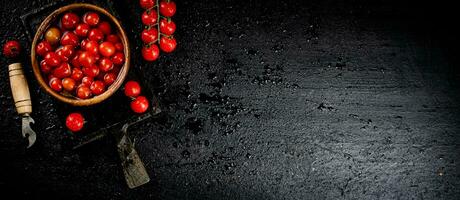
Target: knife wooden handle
[20,89]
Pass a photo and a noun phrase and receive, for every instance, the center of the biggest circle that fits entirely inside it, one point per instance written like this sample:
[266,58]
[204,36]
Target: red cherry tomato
[83,92]
[112,38]
[167,9]
[91,18]
[95,35]
[77,74]
[65,52]
[82,30]
[91,71]
[106,64]
[86,59]
[92,47]
[150,53]
[107,49]
[70,20]
[149,35]
[168,44]
[44,67]
[97,87]
[68,84]
[140,104]
[11,49]
[109,78]
[118,58]
[50,76]
[74,61]
[52,59]
[69,38]
[87,81]
[119,46]
[55,84]
[167,26]
[132,89]
[105,27]
[149,17]
[64,70]
[74,122]
[43,47]
[146,4]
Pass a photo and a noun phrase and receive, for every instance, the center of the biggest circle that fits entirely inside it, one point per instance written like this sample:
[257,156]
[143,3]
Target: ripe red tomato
[65,52]
[132,89]
[168,44]
[43,47]
[146,4]
[70,20]
[167,8]
[74,61]
[109,78]
[106,64]
[55,84]
[52,59]
[69,38]
[82,30]
[167,26]
[87,81]
[77,74]
[92,47]
[97,87]
[74,122]
[151,52]
[91,18]
[64,70]
[118,58]
[91,71]
[68,84]
[83,92]
[112,38]
[95,35]
[107,49]
[119,46]
[105,27]
[140,104]
[149,17]
[149,35]
[86,59]
[11,49]
[44,67]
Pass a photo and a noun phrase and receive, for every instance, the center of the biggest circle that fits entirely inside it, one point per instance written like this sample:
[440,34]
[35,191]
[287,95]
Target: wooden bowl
[51,20]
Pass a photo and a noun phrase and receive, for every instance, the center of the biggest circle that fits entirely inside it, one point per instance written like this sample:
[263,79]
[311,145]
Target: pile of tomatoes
[159,28]
[81,56]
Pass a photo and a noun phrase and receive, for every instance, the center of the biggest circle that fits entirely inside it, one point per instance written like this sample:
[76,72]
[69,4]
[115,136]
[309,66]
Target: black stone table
[267,100]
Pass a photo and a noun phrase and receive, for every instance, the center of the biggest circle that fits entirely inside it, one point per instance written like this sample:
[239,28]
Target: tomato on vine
[167,26]
[168,44]
[146,4]
[150,52]
[167,8]
[149,17]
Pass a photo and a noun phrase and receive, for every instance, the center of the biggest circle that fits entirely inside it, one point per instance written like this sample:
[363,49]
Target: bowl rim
[46,23]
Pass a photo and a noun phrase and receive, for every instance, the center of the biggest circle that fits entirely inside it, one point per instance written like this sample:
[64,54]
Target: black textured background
[267,100]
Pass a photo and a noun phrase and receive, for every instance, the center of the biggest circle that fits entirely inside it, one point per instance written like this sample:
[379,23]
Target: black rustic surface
[266,100]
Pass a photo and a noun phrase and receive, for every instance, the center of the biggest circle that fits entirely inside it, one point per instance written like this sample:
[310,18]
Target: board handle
[133,168]
[20,89]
